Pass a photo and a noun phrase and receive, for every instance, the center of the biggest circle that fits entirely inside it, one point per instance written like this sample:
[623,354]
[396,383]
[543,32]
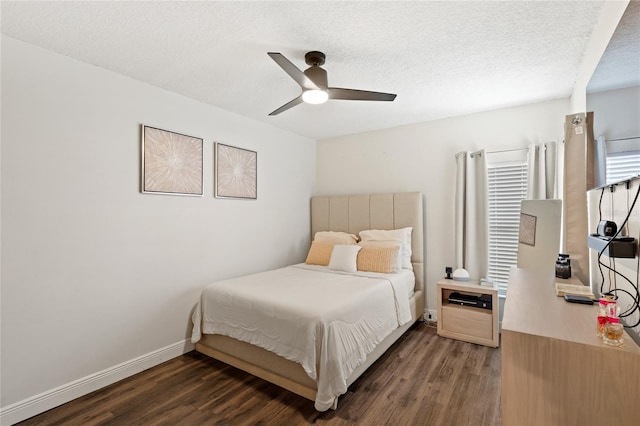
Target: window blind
[507,187]
[621,165]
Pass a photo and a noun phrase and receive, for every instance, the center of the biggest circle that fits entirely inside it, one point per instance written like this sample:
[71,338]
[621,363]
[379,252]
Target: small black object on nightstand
[448,270]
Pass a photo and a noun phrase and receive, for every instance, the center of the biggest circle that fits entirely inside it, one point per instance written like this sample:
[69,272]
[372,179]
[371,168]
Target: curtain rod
[623,139]
[499,151]
[507,150]
[510,150]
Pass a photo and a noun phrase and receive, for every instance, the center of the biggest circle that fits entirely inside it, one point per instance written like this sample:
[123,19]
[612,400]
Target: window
[621,165]
[623,159]
[507,187]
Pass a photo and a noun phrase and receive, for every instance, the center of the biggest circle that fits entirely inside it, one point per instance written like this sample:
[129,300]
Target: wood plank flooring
[423,379]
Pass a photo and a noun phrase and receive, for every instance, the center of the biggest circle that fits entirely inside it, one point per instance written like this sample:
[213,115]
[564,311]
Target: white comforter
[326,321]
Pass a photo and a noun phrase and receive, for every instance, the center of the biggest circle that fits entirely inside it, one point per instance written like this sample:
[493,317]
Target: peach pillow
[378,259]
[319,254]
[402,236]
[398,260]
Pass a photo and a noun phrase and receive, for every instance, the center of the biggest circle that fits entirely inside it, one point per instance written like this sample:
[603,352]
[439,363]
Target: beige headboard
[355,213]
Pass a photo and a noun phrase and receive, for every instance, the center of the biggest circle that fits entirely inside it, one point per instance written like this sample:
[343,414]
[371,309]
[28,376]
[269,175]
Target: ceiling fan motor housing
[318,76]
[314,58]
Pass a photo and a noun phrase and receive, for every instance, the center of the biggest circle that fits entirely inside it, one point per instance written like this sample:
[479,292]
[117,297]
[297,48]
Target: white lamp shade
[461,275]
[315,96]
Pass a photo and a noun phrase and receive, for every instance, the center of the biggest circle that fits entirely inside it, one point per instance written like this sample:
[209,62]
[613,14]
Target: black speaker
[606,228]
[448,270]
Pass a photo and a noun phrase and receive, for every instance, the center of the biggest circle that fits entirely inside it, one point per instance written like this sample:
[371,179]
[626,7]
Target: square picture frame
[527,234]
[236,172]
[172,163]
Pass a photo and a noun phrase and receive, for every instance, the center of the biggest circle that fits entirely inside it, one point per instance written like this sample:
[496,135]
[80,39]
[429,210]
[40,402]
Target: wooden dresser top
[532,307]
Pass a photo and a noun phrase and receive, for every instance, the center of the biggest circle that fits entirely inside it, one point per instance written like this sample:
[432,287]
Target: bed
[299,371]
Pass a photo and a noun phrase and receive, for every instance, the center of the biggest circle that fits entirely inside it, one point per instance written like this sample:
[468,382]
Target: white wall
[94,273]
[616,113]
[610,15]
[420,157]
[626,267]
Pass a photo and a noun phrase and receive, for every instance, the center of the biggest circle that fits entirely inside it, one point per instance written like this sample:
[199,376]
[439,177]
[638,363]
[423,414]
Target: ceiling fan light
[315,96]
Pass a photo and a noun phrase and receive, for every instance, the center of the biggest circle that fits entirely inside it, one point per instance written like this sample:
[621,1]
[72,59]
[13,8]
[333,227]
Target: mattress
[326,321]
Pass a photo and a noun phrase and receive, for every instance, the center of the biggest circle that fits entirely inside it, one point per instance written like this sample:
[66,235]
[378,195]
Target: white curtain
[600,160]
[471,223]
[542,183]
[578,176]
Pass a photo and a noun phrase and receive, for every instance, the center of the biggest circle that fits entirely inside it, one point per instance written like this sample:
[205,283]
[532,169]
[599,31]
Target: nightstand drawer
[467,321]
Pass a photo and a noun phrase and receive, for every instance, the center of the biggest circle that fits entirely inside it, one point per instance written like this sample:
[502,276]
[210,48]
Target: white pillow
[335,237]
[403,236]
[344,257]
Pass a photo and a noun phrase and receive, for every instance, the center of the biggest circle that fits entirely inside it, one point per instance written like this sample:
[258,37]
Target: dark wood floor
[423,379]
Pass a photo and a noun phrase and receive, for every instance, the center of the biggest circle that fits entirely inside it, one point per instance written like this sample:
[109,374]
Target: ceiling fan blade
[359,95]
[288,105]
[293,71]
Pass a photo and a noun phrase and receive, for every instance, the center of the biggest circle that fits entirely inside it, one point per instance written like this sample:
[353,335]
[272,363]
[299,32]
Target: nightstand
[467,323]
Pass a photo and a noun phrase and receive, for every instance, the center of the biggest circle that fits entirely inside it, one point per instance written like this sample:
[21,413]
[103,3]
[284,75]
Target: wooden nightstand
[471,324]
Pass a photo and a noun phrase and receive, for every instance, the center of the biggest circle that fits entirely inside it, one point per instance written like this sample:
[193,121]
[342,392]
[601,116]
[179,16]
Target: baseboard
[37,404]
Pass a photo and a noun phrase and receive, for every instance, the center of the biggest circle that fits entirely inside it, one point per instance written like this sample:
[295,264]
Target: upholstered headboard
[355,213]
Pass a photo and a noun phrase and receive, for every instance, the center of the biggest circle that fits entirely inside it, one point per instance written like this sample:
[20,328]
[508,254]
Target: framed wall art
[171,163]
[527,233]
[236,172]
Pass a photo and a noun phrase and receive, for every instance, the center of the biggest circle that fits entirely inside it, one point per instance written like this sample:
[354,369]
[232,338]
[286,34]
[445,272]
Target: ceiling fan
[315,89]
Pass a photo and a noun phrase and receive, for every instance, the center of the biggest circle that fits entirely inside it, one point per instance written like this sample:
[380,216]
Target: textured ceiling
[619,66]
[442,59]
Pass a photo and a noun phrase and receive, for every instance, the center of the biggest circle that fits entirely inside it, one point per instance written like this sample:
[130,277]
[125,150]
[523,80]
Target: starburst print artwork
[236,172]
[172,162]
